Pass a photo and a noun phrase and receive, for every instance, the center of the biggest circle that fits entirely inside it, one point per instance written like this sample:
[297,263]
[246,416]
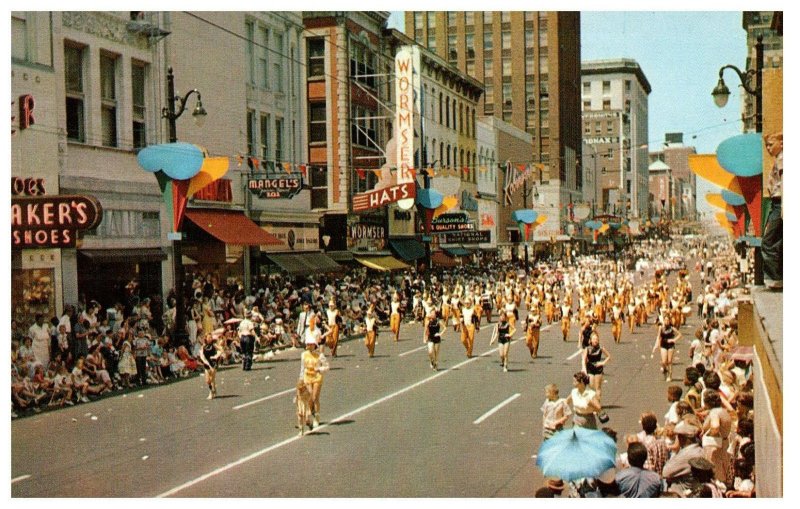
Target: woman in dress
[502,334]
[595,357]
[127,365]
[433,338]
[584,402]
[665,340]
[312,365]
[209,356]
[208,319]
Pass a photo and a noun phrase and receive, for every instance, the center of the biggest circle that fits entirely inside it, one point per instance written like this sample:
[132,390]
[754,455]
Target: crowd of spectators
[703,446]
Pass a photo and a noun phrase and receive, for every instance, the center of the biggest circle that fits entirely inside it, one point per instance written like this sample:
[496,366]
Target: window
[606,87]
[251,135]
[587,128]
[506,66]
[530,64]
[488,68]
[129,223]
[529,15]
[587,88]
[487,17]
[606,104]
[587,105]
[505,17]
[447,112]
[277,66]
[451,18]
[542,33]
[262,67]
[529,38]
[488,94]
[418,21]
[506,95]
[249,51]
[264,133]
[609,126]
[469,42]
[108,97]
[597,127]
[432,31]
[73,77]
[469,18]
[440,107]
[487,40]
[505,38]
[139,110]
[316,56]
[319,187]
[362,64]
[627,85]
[19,37]
[452,48]
[278,140]
[461,118]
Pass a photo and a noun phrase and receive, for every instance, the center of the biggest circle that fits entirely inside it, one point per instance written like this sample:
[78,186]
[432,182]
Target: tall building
[529,63]
[671,165]
[100,85]
[615,118]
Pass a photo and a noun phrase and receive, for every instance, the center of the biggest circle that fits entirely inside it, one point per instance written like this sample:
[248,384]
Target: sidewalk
[769,309]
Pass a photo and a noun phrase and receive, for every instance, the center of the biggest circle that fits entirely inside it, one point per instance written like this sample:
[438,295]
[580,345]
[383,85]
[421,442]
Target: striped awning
[382,263]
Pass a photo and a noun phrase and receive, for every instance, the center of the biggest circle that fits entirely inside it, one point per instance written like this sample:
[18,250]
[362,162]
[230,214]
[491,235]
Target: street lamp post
[721,94]
[174,109]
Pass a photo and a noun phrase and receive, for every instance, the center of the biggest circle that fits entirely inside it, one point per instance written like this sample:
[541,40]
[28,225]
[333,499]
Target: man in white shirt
[302,322]
[247,338]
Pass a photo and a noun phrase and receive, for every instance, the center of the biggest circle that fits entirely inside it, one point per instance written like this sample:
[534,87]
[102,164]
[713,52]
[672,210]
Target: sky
[680,53]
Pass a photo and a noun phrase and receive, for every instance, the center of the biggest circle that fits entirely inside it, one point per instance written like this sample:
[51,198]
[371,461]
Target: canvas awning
[440,259]
[456,251]
[382,263]
[232,227]
[408,249]
[304,263]
[124,255]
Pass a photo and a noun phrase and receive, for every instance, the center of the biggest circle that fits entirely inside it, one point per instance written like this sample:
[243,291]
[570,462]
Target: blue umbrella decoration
[576,453]
[525,219]
[428,200]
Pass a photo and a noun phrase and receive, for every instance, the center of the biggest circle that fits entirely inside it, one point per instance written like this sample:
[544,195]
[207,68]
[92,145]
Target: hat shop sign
[39,221]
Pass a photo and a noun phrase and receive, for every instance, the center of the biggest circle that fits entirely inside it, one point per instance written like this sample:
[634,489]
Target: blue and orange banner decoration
[181,169]
[526,222]
[428,200]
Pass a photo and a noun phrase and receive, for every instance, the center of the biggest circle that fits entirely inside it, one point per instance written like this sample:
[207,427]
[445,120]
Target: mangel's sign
[275,187]
[384,196]
[52,221]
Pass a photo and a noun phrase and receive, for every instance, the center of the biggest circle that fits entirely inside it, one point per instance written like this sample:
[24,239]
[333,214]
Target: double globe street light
[176,106]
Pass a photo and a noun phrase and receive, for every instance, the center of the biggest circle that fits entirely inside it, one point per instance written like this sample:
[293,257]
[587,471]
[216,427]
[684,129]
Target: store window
[32,292]
[264,136]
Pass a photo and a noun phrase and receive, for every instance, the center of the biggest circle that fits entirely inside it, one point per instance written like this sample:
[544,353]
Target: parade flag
[303,170]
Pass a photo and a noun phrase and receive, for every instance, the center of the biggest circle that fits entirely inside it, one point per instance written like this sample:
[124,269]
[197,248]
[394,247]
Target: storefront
[216,240]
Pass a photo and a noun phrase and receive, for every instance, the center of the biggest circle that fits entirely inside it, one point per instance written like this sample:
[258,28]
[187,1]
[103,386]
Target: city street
[391,427]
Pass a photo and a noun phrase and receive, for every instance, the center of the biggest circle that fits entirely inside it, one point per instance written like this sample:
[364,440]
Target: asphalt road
[391,426]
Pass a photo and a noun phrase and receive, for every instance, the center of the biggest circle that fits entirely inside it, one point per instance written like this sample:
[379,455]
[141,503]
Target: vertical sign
[407,84]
